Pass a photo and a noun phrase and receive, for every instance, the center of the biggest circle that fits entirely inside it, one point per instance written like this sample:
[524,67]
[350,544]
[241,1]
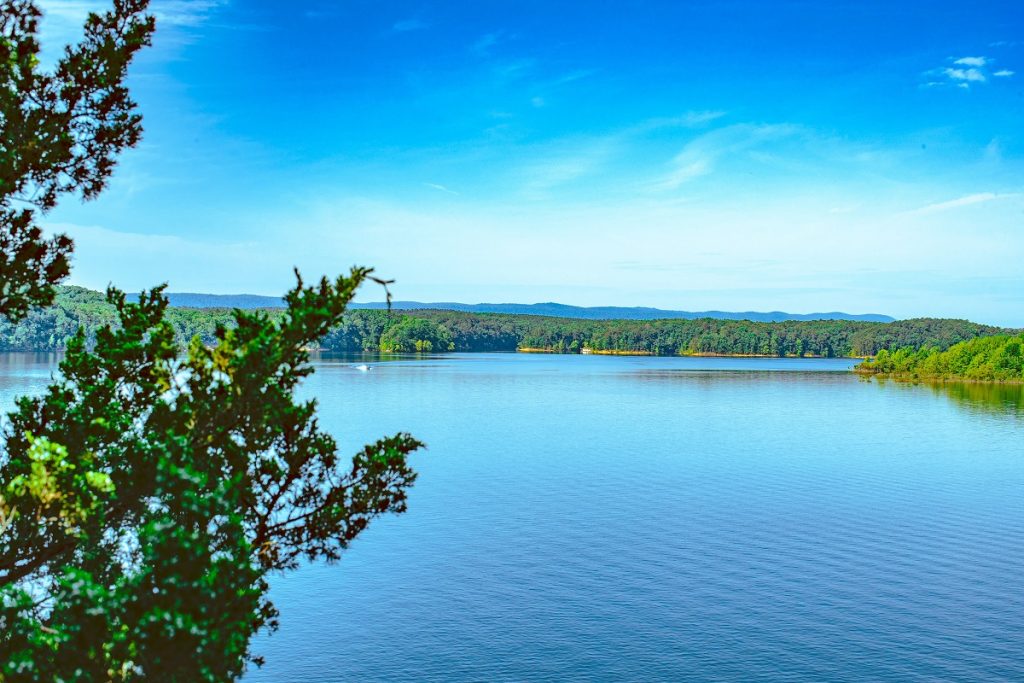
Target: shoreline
[694,354]
[917,379]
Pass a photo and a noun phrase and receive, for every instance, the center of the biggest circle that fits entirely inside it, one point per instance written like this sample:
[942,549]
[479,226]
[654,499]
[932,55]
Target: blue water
[657,519]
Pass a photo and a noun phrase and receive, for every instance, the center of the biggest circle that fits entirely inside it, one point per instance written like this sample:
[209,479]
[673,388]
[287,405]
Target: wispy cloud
[63,19]
[691,119]
[573,76]
[967,200]
[409,25]
[699,157]
[698,118]
[970,75]
[167,12]
[685,170]
[485,43]
[543,89]
[440,188]
[514,70]
[552,166]
[965,72]
[618,160]
[185,12]
[971,61]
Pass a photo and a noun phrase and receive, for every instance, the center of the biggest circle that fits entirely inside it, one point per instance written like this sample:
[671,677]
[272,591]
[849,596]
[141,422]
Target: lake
[585,518]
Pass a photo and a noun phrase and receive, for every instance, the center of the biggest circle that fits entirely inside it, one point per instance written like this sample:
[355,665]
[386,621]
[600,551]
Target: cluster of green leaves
[438,331]
[60,132]
[415,335]
[147,494]
[990,359]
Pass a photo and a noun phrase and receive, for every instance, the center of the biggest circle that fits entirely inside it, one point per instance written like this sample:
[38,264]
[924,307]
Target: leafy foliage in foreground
[990,359]
[146,495]
[60,133]
[439,331]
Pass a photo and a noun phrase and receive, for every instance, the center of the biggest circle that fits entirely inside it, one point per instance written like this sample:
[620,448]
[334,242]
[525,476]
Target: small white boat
[362,367]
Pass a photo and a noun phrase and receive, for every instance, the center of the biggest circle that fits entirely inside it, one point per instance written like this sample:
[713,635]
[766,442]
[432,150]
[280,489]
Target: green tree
[147,494]
[145,497]
[415,335]
[60,132]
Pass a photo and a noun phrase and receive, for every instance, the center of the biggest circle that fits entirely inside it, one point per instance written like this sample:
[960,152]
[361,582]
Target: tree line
[436,331]
[989,359]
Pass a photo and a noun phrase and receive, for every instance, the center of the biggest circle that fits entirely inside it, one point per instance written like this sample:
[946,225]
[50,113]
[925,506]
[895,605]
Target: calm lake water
[587,518]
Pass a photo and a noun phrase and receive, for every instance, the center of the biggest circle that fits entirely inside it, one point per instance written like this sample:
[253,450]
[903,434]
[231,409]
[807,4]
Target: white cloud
[699,156]
[972,61]
[967,200]
[440,188]
[697,118]
[971,75]
[184,12]
[784,251]
[691,119]
[167,12]
[563,165]
[685,171]
[965,73]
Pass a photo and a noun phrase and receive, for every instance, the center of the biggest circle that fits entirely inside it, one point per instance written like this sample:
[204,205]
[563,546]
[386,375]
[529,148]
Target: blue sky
[739,155]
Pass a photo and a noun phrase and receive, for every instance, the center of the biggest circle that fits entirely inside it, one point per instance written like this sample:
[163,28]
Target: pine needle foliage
[148,494]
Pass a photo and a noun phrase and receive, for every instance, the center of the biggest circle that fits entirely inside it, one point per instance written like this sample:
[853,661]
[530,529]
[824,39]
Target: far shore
[689,354]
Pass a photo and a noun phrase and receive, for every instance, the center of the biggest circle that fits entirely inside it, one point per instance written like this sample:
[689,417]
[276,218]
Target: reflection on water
[980,397]
[29,373]
[1005,399]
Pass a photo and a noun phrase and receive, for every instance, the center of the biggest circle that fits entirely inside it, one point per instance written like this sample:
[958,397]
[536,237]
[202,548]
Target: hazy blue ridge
[190,300]
[245,301]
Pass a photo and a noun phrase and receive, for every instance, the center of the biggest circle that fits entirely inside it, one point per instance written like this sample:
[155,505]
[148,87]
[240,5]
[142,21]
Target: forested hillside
[438,331]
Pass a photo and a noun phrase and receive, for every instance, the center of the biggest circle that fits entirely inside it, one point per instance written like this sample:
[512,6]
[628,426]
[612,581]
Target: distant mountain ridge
[550,309]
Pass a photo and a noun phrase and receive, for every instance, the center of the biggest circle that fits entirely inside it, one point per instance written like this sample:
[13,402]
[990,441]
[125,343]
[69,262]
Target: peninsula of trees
[984,359]
[50,329]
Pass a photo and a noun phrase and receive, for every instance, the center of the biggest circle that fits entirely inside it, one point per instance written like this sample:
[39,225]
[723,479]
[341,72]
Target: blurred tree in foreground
[147,494]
